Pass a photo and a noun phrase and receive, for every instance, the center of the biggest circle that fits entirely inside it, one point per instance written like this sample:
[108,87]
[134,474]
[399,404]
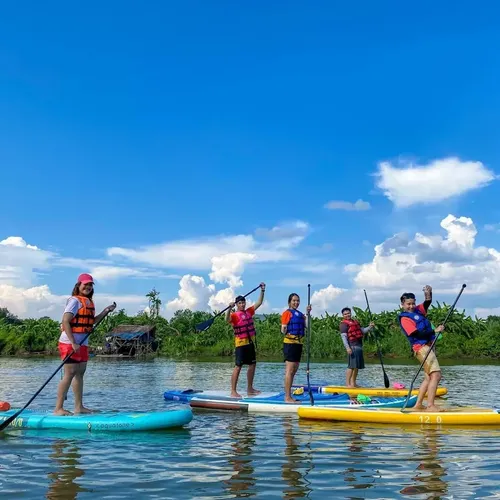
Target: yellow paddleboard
[381,392]
[451,416]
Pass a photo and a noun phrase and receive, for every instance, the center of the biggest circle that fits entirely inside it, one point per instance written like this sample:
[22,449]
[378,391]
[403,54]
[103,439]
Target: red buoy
[4,406]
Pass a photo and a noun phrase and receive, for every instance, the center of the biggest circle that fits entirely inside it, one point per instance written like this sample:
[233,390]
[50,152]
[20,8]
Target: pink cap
[85,278]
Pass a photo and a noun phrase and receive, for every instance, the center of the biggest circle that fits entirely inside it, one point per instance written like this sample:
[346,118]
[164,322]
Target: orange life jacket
[83,321]
[354,333]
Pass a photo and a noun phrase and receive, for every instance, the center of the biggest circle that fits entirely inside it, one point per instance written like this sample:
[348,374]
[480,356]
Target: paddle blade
[201,327]
[386,381]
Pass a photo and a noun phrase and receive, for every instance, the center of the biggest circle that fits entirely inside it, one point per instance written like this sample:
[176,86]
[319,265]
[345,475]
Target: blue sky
[125,126]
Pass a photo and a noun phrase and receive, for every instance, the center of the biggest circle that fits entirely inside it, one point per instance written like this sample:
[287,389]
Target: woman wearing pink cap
[78,320]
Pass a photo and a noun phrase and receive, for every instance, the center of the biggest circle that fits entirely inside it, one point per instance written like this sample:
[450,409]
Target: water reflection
[242,436]
[430,471]
[65,456]
[297,458]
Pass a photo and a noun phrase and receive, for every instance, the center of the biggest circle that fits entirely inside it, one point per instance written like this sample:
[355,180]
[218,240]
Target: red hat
[85,278]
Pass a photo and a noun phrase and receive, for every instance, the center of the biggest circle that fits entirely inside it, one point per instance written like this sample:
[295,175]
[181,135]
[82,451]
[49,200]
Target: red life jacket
[245,327]
[354,333]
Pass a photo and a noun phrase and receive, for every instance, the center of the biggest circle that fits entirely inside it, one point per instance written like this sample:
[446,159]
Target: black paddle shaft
[386,378]
[311,397]
[4,424]
[432,346]
[201,327]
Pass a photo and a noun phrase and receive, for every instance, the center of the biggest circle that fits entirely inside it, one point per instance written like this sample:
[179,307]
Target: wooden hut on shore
[129,341]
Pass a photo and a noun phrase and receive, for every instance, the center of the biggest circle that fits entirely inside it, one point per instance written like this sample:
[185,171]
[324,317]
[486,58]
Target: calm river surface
[225,455]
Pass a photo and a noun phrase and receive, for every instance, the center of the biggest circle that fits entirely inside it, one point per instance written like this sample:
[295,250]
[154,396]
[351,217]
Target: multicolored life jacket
[296,327]
[354,332]
[423,325]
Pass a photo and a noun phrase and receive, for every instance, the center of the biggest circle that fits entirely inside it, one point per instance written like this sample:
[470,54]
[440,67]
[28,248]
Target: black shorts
[245,355]
[292,352]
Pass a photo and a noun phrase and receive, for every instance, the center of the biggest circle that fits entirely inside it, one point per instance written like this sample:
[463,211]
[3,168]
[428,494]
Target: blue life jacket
[297,325]
[425,332]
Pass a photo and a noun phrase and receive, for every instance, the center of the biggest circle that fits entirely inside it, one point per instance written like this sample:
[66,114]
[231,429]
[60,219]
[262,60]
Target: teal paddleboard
[110,422]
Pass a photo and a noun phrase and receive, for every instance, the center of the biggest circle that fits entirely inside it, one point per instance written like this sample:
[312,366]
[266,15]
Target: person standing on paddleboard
[420,333]
[244,336]
[352,338]
[78,320]
[293,326]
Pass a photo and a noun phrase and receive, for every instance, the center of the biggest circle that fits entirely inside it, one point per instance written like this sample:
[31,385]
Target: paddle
[432,346]
[311,397]
[5,423]
[201,327]
[386,378]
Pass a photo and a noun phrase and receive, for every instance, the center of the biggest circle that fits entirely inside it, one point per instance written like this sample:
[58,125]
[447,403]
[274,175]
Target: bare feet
[83,410]
[291,400]
[419,407]
[434,408]
[62,412]
[253,392]
[235,395]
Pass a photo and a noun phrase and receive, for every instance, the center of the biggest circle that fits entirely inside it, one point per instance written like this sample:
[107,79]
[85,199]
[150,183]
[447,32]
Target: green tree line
[464,337]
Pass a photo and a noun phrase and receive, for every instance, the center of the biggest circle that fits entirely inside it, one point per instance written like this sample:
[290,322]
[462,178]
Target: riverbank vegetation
[464,337]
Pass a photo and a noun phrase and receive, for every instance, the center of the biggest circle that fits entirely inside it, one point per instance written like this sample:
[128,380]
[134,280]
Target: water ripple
[232,455]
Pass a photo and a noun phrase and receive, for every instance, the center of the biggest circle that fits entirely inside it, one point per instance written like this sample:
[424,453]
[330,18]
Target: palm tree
[154,303]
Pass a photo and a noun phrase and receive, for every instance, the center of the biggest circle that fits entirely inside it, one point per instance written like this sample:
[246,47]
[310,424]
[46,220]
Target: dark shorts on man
[292,352]
[356,359]
[245,355]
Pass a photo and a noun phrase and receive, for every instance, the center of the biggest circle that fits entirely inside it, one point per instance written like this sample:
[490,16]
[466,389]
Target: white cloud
[186,254]
[294,231]
[38,301]
[492,227]
[228,268]
[17,241]
[221,299]
[198,254]
[402,263]
[358,205]
[108,273]
[21,262]
[437,181]
[30,302]
[484,312]
[193,294]
[20,266]
[325,299]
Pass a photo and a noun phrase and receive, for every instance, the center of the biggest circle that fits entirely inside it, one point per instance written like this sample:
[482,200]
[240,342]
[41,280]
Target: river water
[237,455]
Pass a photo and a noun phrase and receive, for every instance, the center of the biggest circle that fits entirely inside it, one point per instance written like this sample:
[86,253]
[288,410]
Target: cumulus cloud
[38,301]
[405,263]
[21,262]
[228,268]
[221,299]
[326,299]
[431,183]
[226,259]
[358,205]
[35,301]
[193,294]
